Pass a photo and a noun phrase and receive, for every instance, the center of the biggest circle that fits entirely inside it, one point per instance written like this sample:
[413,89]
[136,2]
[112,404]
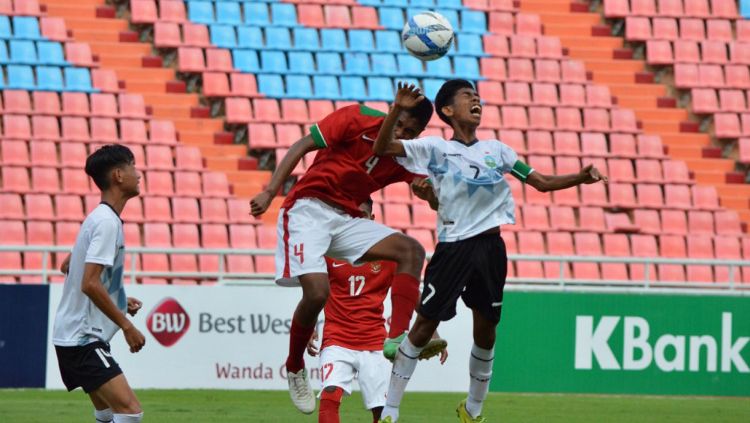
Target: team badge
[490,162]
[375,267]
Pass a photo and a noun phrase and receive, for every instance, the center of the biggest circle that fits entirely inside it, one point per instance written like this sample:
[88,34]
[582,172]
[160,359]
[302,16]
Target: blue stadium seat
[26,28]
[2,80]
[273,62]
[228,13]
[3,53]
[409,65]
[375,3]
[301,62]
[223,36]
[20,77]
[745,8]
[271,85]
[326,87]
[473,22]
[353,88]
[245,60]
[256,14]
[284,14]
[23,52]
[51,53]
[357,64]
[333,40]
[388,42]
[440,68]
[431,86]
[407,81]
[201,12]
[384,64]
[250,37]
[299,86]
[49,78]
[427,4]
[362,39]
[5,32]
[78,79]
[469,45]
[329,63]
[396,3]
[306,39]
[466,68]
[380,89]
[391,17]
[278,38]
[450,4]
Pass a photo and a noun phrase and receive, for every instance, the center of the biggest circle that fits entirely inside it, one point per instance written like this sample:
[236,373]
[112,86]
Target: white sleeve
[508,157]
[103,244]
[418,154]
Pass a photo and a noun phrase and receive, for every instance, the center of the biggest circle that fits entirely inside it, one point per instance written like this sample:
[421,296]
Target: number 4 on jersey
[371,163]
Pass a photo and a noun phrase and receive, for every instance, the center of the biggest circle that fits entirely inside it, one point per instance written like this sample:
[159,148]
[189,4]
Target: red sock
[298,338]
[404,297]
[329,405]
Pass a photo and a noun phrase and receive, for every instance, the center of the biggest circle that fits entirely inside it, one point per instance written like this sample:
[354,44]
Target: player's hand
[65,265]
[422,188]
[259,204]
[592,175]
[134,305]
[134,338]
[408,96]
[312,349]
[443,356]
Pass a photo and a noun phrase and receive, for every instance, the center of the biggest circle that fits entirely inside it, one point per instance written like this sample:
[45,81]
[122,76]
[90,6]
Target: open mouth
[476,110]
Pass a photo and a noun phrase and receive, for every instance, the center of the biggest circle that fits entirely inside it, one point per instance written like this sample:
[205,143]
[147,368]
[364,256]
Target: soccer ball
[427,36]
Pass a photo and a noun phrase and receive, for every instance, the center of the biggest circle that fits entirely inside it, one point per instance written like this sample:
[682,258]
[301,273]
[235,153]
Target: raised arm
[422,188]
[407,97]
[545,183]
[259,204]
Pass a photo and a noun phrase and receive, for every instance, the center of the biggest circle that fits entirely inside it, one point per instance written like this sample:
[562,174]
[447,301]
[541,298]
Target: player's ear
[447,111]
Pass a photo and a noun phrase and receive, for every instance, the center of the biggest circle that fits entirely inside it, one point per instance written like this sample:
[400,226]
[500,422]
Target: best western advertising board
[235,338]
[640,344]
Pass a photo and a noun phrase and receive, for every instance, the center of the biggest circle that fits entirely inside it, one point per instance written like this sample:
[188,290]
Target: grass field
[26,406]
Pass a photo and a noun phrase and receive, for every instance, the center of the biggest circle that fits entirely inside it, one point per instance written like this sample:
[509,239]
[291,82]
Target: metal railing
[223,276]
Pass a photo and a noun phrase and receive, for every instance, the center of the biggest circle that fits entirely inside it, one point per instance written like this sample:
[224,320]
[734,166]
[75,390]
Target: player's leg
[117,393]
[373,372]
[337,373]
[484,295]
[102,412]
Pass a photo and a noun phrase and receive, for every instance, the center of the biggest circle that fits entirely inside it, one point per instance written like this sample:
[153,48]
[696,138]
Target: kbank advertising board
[623,343]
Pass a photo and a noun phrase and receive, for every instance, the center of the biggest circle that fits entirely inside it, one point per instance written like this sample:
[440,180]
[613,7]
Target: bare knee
[421,333]
[316,297]
[129,406]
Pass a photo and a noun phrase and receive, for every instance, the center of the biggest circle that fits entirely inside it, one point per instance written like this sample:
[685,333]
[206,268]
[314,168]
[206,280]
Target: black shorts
[89,366]
[473,269]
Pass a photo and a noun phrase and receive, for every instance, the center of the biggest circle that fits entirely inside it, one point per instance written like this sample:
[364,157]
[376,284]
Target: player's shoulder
[102,215]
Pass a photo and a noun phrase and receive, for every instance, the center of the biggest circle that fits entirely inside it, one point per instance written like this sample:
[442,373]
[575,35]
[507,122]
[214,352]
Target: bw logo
[168,322]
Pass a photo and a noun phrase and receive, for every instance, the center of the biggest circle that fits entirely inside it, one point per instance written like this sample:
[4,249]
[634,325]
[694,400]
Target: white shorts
[339,366]
[311,230]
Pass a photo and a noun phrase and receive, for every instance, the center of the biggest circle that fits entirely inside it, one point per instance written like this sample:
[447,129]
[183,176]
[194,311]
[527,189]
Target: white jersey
[468,181]
[100,241]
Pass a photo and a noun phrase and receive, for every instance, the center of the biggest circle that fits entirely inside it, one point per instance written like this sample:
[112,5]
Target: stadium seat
[535,217]
[15,153]
[76,104]
[705,197]
[558,244]
[727,222]
[677,196]
[38,233]
[727,248]
[44,153]
[531,243]
[674,222]
[158,209]
[562,218]
[594,144]
[700,247]
[133,212]
[39,207]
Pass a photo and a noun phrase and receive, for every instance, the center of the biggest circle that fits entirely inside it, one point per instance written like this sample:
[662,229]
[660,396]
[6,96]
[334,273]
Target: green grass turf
[162,406]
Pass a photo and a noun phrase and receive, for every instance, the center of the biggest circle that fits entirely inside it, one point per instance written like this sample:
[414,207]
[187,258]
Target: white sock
[128,418]
[480,373]
[403,367]
[103,416]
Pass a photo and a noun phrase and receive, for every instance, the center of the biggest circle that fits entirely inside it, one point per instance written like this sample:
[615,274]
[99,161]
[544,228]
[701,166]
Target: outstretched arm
[422,188]
[407,97]
[259,204]
[545,183]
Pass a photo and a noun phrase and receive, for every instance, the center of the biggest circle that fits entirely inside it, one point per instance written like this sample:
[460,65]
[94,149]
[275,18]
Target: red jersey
[345,170]
[354,311]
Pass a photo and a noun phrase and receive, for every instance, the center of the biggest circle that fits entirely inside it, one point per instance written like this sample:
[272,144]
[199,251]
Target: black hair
[422,112]
[102,161]
[446,94]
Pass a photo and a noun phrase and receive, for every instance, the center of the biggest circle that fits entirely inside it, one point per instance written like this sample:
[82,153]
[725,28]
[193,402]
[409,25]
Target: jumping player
[353,334]
[470,258]
[321,217]
[93,304]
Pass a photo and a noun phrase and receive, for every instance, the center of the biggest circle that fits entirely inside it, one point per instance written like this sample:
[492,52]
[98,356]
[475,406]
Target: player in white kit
[93,306]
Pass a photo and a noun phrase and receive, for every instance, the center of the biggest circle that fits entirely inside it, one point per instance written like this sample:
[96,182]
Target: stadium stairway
[587,37]
[140,71]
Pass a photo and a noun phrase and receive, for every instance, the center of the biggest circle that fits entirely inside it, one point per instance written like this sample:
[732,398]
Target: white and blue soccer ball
[427,36]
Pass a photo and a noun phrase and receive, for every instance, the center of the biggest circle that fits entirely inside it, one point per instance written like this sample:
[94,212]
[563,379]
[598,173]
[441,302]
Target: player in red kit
[353,334]
[321,217]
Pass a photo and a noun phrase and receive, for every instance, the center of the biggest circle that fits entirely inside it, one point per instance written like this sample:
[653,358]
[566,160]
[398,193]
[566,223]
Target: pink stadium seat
[595,145]
[186,210]
[619,222]
[744,150]
[624,120]
[549,47]
[102,130]
[647,221]
[266,239]
[523,46]
[133,131]
[704,100]
[686,76]
[737,76]
[45,128]
[53,28]
[566,197]
[15,153]
[162,132]
[719,30]
[649,196]
[158,209]
[594,195]
[26,7]
[14,233]
[542,118]
[43,153]
[184,236]
[672,246]
[665,29]
[188,158]
[195,35]
[39,207]
[239,211]
[550,71]
[528,24]
[45,180]
[558,244]
[677,196]
[544,94]
[214,210]
[132,106]
[133,211]
[514,139]
[535,217]
[727,223]
[171,11]
[491,92]
[674,222]
[587,244]
[692,29]
[218,60]
[243,85]
[160,183]
[650,146]
[732,100]
[17,101]
[643,246]
[159,157]
[671,8]
[215,184]
[79,54]
[542,164]
[562,218]
[615,245]
[295,111]
[501,23]
[643,7]
[424,217]
[596,120]
[637,29]
[724,9]
[215,84]
[514,117]
[337,16]
[241,236]
[598,96]
[676,171]
[397,216]
[517,93]
[714,52]
[311,15]
[364,17]
[743,30]
[621,170]
[520,70]
[727,125]
[156,235]
[266,110]
[143,11]
[38,233]
[190,59]
[187,184]
[212,236]
[11,207]
[727,248]
[397,193]
[648,171]
[701,222]
[537,197]
[73,104]
[531,243]
[261,135]
[711,76]
[567,165]
[697,8]
[705,197]
[167,35]
[659,52]
[616,8]
[424,237]
[287,134]
[566,143]
[568,119]
[591,219]
[539,142]
[496,45]
[105,80]
[700,247]
[491,117]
